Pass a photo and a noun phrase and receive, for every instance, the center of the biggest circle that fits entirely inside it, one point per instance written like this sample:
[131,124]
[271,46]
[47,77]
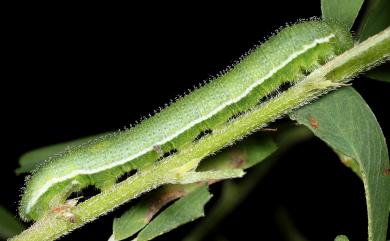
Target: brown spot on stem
[68,205]
[386,172]
[65,210]
[59,209]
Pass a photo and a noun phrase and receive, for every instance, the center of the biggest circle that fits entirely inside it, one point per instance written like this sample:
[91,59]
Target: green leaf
[235,192]
[244,155]
[9,225]
[343,11]
[142,213]
[376,18]
[345,122]
[131,221]
[341,238]
[381,72]
[29,160]
[351,163]
[182,211]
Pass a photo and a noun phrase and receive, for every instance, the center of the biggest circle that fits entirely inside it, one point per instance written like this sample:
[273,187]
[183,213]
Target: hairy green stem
[363,56]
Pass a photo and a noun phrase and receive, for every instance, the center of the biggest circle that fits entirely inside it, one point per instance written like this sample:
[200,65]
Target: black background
[74,71]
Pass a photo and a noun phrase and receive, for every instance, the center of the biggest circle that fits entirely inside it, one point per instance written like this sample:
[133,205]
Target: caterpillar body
[284,59]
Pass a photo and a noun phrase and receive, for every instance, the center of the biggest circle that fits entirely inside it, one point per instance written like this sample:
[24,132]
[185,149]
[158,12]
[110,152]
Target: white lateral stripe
[53,181]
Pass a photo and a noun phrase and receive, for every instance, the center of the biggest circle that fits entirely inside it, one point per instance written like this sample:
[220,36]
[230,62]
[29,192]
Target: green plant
[177,169]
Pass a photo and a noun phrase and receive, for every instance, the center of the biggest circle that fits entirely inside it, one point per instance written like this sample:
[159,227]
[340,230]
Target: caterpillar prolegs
[281,61]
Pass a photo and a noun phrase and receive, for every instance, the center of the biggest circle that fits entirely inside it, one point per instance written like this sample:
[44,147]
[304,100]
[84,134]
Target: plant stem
[330,76]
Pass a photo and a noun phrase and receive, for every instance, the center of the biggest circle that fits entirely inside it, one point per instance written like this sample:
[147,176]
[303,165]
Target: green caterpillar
[282,60]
